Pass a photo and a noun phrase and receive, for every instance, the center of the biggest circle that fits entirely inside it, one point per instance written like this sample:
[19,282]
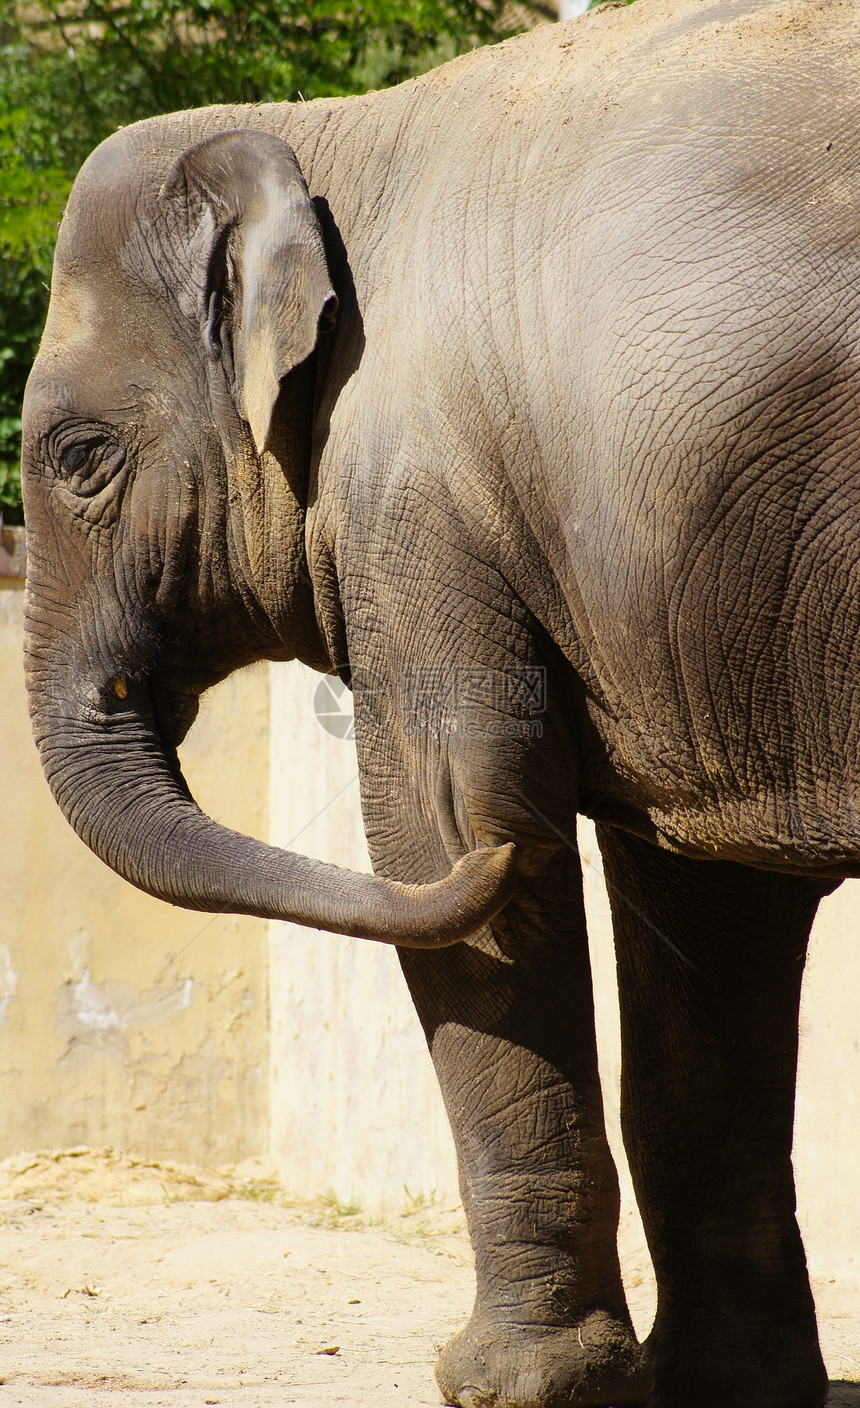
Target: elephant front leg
[710,960]
[510,1025]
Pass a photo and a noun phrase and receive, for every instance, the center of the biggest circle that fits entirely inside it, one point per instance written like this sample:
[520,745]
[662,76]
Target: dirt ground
[138,1284]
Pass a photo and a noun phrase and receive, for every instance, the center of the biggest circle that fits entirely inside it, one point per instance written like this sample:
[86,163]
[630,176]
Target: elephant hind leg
[710,960]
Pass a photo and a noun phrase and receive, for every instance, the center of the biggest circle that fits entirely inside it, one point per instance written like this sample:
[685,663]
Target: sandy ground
[139,1284]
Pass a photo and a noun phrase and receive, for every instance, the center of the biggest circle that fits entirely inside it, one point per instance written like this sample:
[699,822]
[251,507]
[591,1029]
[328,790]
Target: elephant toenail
[472,1397]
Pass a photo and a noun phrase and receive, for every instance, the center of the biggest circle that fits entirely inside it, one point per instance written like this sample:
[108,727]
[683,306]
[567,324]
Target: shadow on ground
[843,1395]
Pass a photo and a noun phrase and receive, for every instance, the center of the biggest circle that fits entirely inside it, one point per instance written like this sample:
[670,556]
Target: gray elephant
[526,396]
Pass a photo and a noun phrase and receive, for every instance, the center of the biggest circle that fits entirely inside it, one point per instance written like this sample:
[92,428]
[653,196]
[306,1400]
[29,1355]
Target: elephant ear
[260,282]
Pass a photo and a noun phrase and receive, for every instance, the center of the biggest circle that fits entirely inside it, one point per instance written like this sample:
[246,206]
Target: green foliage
[74,71]
[31,201]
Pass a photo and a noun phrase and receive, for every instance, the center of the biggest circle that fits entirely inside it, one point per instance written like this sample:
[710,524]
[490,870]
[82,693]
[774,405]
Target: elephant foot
[783,1375]
[746,1394]
[493,1363]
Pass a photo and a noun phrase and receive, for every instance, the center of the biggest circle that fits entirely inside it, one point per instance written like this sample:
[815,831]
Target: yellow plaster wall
[109,1033]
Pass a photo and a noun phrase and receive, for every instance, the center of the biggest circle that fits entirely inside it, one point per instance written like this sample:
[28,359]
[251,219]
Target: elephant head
[167,431]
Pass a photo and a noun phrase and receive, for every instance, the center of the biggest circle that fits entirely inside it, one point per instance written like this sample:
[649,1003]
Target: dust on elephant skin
[524,397]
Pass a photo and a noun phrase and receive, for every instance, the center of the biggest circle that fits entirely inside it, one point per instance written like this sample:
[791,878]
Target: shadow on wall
[843,1395]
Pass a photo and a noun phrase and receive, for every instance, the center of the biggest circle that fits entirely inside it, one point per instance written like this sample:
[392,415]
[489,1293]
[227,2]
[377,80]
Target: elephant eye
[74,457]
[86,457]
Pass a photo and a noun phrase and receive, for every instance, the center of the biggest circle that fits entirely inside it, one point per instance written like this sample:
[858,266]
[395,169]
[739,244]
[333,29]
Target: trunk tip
[491,874]
[496,863]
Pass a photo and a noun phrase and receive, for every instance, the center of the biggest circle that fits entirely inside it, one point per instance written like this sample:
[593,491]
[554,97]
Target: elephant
[525,397]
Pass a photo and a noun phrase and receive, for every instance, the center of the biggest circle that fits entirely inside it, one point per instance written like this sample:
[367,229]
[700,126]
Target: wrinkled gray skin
[557,369]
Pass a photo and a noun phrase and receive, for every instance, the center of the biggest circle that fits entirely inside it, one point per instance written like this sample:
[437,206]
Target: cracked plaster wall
[103,1038]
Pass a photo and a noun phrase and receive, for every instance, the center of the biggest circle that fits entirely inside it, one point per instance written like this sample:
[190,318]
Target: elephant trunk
[121,788]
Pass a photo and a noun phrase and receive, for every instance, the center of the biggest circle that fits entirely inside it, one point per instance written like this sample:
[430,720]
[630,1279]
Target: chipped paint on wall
[8,982]
[88,1008]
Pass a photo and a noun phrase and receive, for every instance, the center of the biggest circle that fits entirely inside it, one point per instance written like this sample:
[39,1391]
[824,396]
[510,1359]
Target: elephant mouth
[174,710]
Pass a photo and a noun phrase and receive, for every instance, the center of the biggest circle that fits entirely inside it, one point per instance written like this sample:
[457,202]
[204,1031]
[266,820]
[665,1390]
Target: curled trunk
[122,790]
